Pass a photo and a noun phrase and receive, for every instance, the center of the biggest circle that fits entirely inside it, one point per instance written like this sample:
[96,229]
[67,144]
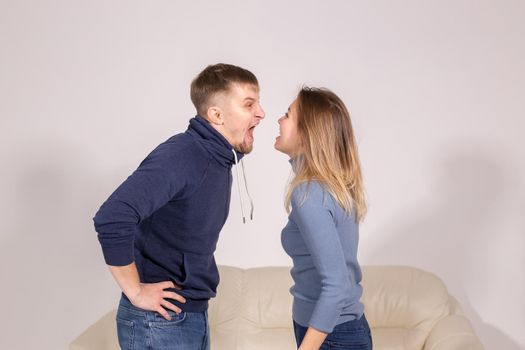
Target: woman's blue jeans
[141,329]
[351,335]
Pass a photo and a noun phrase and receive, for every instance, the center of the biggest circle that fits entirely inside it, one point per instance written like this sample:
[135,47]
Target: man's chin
[245,147]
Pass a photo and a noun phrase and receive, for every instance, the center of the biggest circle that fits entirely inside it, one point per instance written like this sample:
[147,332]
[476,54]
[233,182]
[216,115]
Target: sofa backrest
[394,297]
[252,299]
[402,297]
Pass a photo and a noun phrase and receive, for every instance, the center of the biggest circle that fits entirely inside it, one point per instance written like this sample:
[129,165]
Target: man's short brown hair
[215,79]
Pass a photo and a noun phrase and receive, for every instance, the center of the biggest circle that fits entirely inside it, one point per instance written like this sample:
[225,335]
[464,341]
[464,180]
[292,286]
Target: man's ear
[215,116]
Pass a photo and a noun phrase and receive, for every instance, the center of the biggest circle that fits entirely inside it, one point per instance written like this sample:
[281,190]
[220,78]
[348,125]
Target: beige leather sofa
[406,307]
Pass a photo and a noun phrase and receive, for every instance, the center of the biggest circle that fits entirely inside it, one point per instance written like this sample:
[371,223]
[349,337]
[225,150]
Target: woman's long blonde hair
[328,150]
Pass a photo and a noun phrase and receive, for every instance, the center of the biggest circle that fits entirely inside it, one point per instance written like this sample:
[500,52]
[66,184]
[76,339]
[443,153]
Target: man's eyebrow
[249,98]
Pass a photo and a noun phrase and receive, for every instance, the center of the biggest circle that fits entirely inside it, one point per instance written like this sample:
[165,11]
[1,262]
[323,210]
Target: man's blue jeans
[140,329]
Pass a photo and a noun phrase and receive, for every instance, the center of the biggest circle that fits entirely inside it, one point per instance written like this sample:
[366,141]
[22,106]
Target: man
[159,229]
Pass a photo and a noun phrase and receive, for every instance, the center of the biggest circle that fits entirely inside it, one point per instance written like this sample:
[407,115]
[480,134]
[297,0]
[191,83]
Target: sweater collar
[295,162]
[213,141]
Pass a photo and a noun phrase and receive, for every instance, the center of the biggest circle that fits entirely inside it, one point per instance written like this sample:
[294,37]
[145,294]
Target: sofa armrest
[102,335]
[453,332]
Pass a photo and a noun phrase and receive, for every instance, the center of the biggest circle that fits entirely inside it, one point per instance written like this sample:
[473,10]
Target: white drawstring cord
[245,186]
[247,192]
[238,185]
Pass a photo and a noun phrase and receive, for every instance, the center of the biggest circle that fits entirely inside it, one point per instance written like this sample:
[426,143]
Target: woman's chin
[278,148]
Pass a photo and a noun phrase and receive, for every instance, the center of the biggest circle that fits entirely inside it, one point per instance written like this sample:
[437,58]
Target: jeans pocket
[161,322]
[172,334]
[356,342]
[126,333]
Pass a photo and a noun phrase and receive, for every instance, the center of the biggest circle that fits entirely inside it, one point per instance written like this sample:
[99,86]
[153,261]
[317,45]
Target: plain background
[435,88]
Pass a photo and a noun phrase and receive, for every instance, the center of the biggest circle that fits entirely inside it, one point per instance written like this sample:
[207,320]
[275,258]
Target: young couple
[159,229]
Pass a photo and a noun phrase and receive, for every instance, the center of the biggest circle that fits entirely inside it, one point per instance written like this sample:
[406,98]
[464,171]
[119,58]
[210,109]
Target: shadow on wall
[454,227]
[492,337]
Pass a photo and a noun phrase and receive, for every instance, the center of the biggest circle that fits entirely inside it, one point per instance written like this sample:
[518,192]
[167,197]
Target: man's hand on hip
[152,297]
[147,296]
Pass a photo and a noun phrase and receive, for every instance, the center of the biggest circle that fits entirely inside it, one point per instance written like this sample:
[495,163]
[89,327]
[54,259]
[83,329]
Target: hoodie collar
[213,141]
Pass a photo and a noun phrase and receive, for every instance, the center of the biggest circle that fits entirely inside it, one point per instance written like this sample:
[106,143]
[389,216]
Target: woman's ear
[215,116]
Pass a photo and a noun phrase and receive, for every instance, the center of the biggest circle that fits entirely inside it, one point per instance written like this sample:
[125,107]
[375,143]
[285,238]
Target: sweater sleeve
[315,221]
[156,181]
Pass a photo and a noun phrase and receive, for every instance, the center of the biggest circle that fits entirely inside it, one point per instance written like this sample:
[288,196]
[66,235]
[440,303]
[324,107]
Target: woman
[327,202]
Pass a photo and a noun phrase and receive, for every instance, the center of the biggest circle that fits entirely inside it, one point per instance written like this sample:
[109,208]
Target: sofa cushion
[254,339]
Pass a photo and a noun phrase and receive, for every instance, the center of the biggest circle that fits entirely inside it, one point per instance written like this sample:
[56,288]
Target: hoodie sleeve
[315,220]
[156,181]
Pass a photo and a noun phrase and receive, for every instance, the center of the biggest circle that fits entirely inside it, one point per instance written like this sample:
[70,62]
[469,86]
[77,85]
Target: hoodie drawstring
[245,186]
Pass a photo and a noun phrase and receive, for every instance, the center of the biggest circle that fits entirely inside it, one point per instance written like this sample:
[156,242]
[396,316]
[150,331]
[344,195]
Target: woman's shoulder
[311,191]
[310,186]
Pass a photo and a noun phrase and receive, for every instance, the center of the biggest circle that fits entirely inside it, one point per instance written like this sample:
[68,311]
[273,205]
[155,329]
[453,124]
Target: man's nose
[260,113]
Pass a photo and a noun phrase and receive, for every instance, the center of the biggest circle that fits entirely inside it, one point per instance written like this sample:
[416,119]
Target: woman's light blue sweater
[322,239]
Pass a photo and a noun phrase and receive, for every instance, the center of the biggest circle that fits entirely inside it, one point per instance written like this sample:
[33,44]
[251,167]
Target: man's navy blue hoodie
[166,217]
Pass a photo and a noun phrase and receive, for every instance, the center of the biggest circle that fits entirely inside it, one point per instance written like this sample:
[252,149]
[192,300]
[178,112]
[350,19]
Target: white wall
[436,90]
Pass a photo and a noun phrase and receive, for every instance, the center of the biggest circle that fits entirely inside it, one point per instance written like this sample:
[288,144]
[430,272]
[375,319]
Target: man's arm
[151,186]
[147,296]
